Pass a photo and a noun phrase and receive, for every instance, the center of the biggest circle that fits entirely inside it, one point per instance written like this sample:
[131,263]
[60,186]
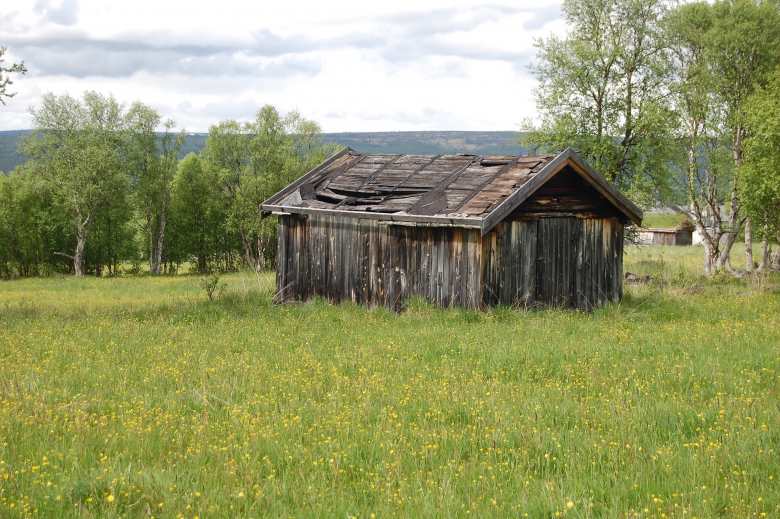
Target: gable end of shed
[598,197]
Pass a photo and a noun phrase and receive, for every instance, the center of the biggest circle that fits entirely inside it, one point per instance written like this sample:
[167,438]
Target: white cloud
[350,65]
[63,12]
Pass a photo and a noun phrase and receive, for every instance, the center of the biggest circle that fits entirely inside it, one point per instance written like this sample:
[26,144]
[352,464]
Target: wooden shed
[459,230]
[682,234]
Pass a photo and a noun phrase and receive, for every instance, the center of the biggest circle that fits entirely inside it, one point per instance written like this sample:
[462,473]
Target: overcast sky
[350,65]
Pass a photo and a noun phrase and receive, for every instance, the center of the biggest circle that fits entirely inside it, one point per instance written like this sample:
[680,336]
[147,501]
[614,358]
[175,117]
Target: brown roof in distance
[458,190]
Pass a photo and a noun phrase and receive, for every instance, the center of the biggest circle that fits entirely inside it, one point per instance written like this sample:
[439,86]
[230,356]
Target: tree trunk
[251,261]
[724,260]
[734,224]
[698,214]
[98,253]
[766,248]
[776,259]
[81,239]
[748,246]
[161,229]
[202,258]
[710,239]
[260,252]
[110,251]
[150,233]
[708,256]
[78,254]
[202,264]
[731,235]
[766,252]
[160,237]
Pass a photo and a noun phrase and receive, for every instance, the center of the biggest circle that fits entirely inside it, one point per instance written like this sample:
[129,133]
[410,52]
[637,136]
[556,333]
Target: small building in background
[458,230]
[682,234]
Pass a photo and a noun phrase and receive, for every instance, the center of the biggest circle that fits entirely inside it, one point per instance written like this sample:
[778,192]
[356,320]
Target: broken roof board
[447,190]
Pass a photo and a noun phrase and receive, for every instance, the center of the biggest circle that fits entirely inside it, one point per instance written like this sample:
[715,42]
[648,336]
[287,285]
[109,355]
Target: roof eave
[448,221]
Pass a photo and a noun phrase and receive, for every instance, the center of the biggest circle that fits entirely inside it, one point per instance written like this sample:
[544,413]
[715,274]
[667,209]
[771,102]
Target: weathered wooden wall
[509,263]
[371,262]
[566,262]
[665,238]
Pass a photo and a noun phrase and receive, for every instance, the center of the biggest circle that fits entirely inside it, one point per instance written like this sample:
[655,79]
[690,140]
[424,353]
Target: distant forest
[429,142]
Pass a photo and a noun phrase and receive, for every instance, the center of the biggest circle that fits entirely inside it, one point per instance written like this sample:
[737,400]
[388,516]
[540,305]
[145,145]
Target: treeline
[103,193]
[677,102]
[404,142]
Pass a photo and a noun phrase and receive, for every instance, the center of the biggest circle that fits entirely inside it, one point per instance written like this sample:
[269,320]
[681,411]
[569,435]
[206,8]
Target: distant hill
[9,140]
[9,143]
[424,143]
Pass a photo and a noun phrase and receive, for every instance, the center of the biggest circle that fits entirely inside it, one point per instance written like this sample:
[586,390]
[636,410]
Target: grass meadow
[139,397]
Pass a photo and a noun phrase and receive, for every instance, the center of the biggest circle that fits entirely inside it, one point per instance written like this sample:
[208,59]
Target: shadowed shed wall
[563,262]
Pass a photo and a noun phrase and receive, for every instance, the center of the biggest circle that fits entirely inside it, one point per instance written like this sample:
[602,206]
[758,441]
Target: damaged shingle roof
[460,190]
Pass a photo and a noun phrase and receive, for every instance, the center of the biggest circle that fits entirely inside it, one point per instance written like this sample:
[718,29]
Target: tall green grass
[138,397]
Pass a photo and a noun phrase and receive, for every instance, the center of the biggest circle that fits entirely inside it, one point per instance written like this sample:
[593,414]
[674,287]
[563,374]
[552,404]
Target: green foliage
[112,236]
[705,172]
[17,233]
[75,150]
[720,54]
[210,285]
[743,49]
[254,161]
[740,47]
[761,169]
[31,228]
[153,162]
[126,394]
[99,170]
[199,229]
[655,98]
[601,91]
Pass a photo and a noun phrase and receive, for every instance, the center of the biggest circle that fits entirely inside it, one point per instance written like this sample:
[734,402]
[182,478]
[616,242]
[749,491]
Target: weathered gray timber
[563,262]
[458,230]
[375,263]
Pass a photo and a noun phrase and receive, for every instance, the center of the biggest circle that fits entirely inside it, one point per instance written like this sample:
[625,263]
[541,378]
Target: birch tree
[601,90]
[720,54]
[197,211]
[256,159]
[20,239]
[691,97]
[154,161]
[74,148]
[761,167]
[744,48]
